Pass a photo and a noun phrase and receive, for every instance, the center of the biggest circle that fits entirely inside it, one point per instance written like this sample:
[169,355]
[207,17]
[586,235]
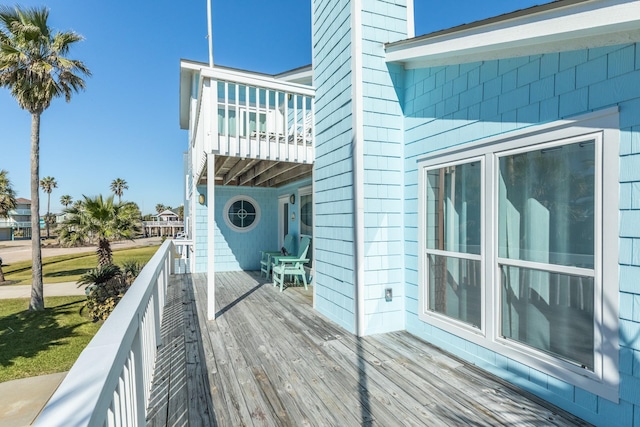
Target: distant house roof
[165,213]
[23,201]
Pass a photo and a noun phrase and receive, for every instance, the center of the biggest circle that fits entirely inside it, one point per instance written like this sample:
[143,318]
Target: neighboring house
[485,179]
[18,223]
[166,223]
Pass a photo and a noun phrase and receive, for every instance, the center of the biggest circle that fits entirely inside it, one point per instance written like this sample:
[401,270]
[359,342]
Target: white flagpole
[209,33]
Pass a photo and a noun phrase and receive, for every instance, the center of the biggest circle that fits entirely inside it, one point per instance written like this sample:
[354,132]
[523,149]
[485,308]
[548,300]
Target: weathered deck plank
[272,360]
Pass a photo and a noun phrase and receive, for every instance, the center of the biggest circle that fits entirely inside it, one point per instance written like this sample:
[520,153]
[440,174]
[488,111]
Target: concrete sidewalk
[22,400]
[50,290]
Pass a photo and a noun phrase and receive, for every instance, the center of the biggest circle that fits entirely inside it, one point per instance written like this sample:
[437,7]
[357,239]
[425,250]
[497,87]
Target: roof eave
[559,26]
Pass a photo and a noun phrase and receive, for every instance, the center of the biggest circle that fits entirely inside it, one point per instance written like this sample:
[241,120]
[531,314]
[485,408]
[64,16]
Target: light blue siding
[511,94]
[333,180]
[235,250]
[382,21]
[200,227]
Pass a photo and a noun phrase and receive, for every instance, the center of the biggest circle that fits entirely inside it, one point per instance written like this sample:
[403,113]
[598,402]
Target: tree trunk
[1,274]
[37,294]
[105,256]
[46,220]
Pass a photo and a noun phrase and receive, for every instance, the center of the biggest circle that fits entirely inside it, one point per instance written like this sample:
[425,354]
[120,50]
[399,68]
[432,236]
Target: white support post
[211,273]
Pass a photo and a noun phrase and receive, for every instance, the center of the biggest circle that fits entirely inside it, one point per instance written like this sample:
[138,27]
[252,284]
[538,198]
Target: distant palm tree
[118,186]
[102,220]
[34,67]
[7,203]
[160,208]
[7,195]
[48,183]
[66,200]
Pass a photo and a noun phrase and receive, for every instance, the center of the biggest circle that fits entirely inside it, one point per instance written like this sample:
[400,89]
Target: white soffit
[559,26]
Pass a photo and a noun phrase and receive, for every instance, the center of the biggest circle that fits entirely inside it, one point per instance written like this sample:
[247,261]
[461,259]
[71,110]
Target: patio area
[270,359]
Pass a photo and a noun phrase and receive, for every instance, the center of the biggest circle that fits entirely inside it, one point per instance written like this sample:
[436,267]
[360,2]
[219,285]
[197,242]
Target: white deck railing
[110,382]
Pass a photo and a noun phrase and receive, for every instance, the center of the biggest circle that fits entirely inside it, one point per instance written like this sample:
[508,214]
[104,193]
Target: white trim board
[575,26]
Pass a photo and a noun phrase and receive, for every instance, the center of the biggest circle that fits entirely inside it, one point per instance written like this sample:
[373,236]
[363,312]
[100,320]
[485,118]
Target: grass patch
[69,268]
[44,342]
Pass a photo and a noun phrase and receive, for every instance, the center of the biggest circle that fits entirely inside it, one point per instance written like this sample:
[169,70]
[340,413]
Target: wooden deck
[271,360]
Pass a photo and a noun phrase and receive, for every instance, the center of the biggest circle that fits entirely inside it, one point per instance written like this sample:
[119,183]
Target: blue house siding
[380,166]
[234,250]
[455,105]
[382,21]
[200,228]
[333,177]
[241,250]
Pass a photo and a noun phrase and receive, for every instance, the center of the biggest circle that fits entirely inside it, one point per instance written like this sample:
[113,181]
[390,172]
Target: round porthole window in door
[242,213]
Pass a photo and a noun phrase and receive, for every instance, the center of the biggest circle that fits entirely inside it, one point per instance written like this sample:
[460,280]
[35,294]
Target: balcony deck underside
[270,359]
[231,170]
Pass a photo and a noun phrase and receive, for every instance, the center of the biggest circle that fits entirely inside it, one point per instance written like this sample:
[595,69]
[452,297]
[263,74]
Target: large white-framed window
[520,254]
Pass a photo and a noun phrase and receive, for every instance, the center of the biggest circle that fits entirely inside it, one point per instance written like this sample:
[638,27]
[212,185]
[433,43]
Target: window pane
[546,205]
[453,208]
[242,213]
[454,288]
[549,311]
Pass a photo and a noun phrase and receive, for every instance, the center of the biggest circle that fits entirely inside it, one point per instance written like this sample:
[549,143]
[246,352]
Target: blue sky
[125,125]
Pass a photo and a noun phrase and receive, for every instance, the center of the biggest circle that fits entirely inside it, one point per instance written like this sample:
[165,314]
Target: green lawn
[38,343]
[69,268]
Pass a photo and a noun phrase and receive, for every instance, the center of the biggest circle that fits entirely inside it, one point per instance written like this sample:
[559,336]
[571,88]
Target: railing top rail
[258,81]
[81,397]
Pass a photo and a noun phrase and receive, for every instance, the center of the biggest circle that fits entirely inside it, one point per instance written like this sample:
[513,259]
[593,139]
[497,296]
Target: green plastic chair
[291,265]
[265,256]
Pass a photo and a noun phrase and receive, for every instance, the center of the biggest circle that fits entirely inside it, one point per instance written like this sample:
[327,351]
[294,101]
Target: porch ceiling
[257,173]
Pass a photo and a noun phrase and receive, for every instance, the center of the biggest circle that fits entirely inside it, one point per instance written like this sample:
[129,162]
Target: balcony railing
[257,117]
[163,223]
[10,223]
[110,382]
[15,212]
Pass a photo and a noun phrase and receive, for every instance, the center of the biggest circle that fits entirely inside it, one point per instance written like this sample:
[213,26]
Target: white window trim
[435,318]
[233,226]
[604,124]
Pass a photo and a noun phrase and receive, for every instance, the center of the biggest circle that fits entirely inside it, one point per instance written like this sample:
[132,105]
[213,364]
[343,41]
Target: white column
[358,162]
[211,271]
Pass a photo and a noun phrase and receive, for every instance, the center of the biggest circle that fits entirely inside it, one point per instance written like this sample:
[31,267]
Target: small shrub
[103,298]
[106,285]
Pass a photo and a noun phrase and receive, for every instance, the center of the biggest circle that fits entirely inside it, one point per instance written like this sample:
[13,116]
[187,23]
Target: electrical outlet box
[388,294]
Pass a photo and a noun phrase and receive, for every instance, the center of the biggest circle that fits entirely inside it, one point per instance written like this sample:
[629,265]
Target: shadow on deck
[272,360]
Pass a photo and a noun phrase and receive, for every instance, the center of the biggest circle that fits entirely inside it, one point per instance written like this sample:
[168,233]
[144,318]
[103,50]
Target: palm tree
[160,208]
[34,67]
[66,200]
[48,183]
[118,186]
[101,220]
[7,203]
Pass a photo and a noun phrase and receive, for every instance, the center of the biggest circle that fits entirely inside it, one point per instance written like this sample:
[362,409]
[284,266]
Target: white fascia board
[576,26]
[187,69]
[255,79]
[302,76]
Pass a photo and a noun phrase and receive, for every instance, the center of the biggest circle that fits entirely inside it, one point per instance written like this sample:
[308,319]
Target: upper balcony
[252,123]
